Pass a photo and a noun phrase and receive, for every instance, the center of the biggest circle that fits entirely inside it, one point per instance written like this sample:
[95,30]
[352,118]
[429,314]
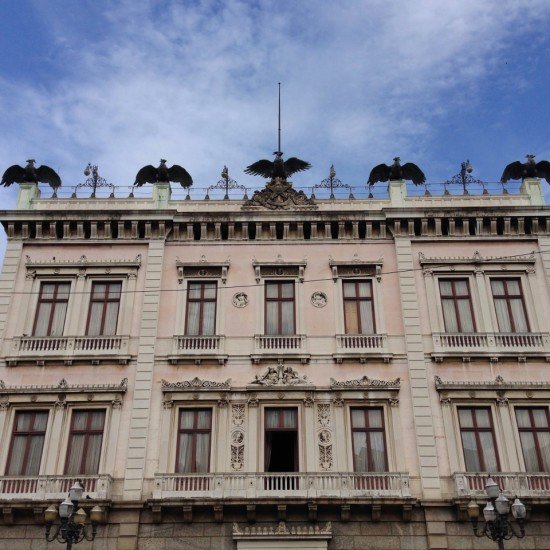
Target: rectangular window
[359,307]
[369,445]
[534,432]
[281,440]
[85,439]
[52,308]
[478,439]
[456,302]
[194,435]
[279,308]
[104,306]
[201,309]
[509,305]
[27,442]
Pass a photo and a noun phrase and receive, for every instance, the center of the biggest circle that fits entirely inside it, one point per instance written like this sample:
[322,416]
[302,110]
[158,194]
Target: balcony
[280,485]
[491,344]
[362,347]
[41,488]
[41,349]
[197,349]
[276,346]
[522,485]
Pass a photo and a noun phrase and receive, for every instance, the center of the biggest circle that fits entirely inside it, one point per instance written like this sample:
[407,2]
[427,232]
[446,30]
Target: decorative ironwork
[226,183]
[95,181]
[332,182]
[464,178]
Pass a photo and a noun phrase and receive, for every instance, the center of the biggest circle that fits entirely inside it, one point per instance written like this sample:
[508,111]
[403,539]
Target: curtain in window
[76,451]
[193,317]
[111,318]
[367,319]
[360,451]
[518,315]
[203,450]
[85,442]
[272,419]
[449,315]
[378,450]
[185,454]
[287,317]
[489,451]
[471,454]
[529,449]
[42,319]
[27,445]
[208,318]
[94,324]
[352,319]
[503,317]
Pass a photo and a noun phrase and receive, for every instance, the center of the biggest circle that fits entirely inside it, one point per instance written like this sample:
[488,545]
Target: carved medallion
[319,299]
[240,299]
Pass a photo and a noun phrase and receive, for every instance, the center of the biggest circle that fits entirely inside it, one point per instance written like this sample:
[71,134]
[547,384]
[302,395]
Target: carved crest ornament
[278,194]
[280,376]
[195,384]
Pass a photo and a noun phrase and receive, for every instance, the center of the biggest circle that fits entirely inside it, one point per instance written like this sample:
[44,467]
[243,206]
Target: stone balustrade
[362,347]
[275,346]
[472,484]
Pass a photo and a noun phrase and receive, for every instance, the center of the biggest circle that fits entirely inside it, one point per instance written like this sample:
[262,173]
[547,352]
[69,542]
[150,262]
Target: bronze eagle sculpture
[31,174]
[408,171]
[277,168]
[150,174]
[519,170]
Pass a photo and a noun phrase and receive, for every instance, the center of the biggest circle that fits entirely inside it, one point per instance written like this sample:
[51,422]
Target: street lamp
[497,527]
[72,528]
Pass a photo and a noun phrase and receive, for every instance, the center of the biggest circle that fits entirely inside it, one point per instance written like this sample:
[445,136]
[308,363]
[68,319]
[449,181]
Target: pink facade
[413,311]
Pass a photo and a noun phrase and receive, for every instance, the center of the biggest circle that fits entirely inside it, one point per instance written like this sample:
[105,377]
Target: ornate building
[277,372]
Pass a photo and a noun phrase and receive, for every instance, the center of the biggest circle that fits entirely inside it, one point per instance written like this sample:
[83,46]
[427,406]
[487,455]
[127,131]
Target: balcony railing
[198,348]
[491,344]
[280,345]
[514,484]
[276,485]
[53,487]
[68,348]
[362,347]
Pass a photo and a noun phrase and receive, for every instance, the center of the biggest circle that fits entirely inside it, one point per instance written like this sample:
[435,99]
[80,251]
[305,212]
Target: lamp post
[72,528]
[497,526]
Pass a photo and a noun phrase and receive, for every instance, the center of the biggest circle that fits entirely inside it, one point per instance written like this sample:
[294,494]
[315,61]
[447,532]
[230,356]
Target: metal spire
[279,135]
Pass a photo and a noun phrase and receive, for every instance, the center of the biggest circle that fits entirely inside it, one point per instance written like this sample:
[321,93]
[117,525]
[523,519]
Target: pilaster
[140,416]
[12,259]
[422,411]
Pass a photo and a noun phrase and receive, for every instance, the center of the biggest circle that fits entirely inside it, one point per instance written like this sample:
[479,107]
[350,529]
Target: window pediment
[356,268]
[202,269]
[279,268]
[524,262]
[365,382]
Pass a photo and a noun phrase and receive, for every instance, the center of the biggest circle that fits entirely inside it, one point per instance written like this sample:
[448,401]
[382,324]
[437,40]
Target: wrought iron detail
[332,182]
[226,183]
[95,181]
[464,178]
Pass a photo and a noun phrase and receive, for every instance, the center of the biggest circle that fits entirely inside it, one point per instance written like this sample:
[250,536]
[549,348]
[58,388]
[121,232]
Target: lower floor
[272,526]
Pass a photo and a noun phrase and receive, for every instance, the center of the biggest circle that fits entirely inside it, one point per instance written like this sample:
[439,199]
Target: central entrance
[281,440]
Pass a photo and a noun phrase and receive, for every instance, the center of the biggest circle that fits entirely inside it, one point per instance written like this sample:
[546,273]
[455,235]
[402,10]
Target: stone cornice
[365,382]
[82,262]
[282,532]
[65,387]
[497,384]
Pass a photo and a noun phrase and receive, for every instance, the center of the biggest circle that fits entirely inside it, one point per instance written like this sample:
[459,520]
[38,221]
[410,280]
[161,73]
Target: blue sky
[125,83]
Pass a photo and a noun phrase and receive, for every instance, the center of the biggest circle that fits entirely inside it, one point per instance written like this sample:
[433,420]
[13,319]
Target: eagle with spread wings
[31,174]
[150,174]
[408,171]
[277,168]
[519,170]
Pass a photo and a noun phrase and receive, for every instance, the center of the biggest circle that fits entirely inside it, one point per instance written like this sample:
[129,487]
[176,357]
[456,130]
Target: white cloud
[195,82]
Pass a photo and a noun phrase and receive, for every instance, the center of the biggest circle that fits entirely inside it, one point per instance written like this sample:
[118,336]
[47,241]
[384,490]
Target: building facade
[279,372]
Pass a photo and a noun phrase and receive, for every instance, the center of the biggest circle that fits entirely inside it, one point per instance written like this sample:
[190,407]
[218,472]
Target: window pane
[208,318]
[483,418]
[497,287]
[489,451]
[98,420]
[47,291]
[378,451]
[449,315]
[358,418]
[210,291]
[94,325]
[80,420]
[98,291]
[522,416]
[63,291]
[503,317]
[40,421]
[186,419]
[513,286]
[184,462]
[544,446]
[23,421]
[352,321]
[290,418]
[367,320]
[17,455]
[445,288]
[540,418]
[365,289]
[287,290]
[529,451]
[272,418]
[194,291]
[272,290]
[375,418]
[287,314]
[202,452]
[203,419]
[42,319]
[461,287]
[272,318]
[471,453]
[93,453]
[465,417]
[115,291]
[518,314]
[58,320]
[193,313]
[465,313]
[360,451]
[76,451]
[349,289]
[111,318]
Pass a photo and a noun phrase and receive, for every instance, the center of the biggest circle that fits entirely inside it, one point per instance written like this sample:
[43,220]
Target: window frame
[455,299]
[357,300]
[40,300]
[367,430]
[194,431]
[533,429]
[476,430]
[104,301]
[270,407]
[9,456]
[507,298]
[201,301]
[279,300]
